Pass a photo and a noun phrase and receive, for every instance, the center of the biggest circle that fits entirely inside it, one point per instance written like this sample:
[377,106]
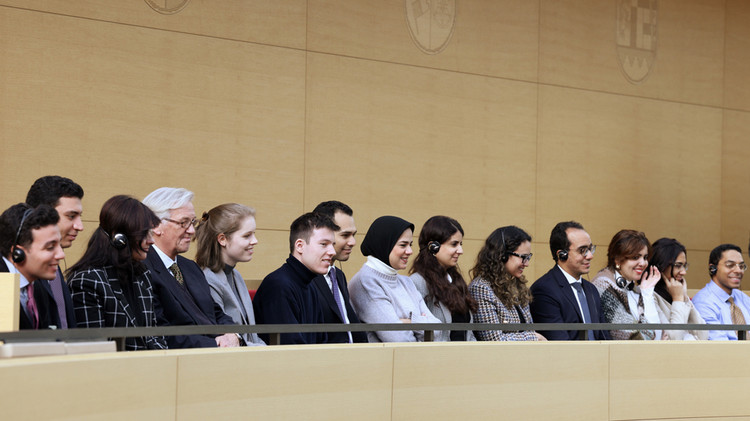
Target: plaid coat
[99,301]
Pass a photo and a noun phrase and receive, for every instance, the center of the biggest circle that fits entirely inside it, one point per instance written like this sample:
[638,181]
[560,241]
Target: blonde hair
[223,219]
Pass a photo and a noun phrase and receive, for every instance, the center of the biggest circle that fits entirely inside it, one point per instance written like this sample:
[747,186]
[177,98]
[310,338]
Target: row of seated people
[132,274]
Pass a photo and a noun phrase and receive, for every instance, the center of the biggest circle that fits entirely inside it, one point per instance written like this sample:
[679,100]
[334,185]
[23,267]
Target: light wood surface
[10,302]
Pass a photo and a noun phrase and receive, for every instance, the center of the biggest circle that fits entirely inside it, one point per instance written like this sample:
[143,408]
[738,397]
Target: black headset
[562,255]
[17,254]
[712,270]
[118,241]
[433,247]
[505,256]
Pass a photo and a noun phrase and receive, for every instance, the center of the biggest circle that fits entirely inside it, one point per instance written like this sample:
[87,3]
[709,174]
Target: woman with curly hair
[436,275]
[499,286]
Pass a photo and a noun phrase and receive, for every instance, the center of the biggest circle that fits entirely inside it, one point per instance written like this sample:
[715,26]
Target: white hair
[165,199]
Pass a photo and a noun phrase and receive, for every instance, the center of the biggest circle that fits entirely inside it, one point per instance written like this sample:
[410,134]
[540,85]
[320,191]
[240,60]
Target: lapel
[168,281]
[567,292]
[322,285]
[239,301]
[120,298]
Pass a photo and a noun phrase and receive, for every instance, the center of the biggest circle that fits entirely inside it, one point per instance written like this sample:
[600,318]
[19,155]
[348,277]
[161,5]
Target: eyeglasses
[585,249]
[679,266]
[730,265]
[525,257]
[183,224]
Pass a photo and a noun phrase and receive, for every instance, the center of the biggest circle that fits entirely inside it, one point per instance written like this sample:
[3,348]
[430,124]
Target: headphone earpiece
[118,241]
[433,247]
[17,254]
[562,255]
[712,270]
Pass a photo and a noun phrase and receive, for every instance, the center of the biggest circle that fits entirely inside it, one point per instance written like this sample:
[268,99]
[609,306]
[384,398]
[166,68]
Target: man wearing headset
[65,196]
[721,301]
[30,244]
[562,295]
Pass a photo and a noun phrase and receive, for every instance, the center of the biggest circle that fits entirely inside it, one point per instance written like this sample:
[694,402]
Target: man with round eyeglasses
[721,301]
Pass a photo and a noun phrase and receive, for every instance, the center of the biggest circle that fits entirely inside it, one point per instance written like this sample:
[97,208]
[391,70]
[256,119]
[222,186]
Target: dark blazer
[101,301]
[70,312]
[331,310]
[176,305]
[554,302]
[45,304]
[286,296]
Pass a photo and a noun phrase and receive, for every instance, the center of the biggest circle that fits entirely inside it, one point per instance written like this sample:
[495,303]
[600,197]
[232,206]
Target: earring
[617,267]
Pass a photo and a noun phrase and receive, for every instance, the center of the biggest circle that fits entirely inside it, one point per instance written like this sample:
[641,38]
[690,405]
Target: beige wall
[524,118]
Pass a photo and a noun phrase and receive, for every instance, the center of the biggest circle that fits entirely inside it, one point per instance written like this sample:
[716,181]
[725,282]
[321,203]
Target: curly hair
[490,266]
[454,295]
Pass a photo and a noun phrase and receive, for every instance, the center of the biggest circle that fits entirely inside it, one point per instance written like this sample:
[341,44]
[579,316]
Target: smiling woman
[378,293]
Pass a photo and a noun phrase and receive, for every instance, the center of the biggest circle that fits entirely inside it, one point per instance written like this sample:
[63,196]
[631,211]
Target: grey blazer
[223,295]
[438,310]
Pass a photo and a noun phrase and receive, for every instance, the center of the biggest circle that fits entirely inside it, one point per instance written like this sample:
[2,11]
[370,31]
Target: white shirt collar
[168,262]
[569,277]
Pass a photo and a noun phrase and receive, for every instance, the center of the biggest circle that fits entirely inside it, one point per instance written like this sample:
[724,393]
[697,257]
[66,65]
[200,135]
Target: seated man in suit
[181,292]
[65,196]
[30,246]
[338,309]
[286,295]
[562,295]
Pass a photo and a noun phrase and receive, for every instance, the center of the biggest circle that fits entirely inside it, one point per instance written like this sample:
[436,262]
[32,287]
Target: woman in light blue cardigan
[226,236]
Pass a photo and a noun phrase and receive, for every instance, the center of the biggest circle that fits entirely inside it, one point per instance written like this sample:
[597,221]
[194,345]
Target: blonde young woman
[225,237]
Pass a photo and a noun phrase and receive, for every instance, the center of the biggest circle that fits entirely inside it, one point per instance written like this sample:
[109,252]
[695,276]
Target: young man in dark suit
[562,295]
[30,246]
[65,196]
[181,292]
[338,309]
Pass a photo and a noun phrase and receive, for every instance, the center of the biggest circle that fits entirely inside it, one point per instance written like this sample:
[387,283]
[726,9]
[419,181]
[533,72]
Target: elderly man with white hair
[182,295]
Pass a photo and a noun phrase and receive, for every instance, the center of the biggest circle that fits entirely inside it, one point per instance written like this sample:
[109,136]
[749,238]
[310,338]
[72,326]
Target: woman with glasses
[436,275]
[225,237]
[378,293]
[110,285]
[670,258]
[627,287]
[499,286]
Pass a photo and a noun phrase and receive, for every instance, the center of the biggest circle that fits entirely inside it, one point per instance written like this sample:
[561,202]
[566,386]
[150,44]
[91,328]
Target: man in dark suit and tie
[334,297]
[562,295]
[181,292]
[30,246]
[65,196]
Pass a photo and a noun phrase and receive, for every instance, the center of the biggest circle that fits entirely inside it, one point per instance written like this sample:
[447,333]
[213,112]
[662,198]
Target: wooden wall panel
[735,179]
[319,378]
[278,22]
[629,163]
[578,48]
[122,109]
[493,380]
[113,386]
[417,142]
[490,37]
[737,55]
[690,382]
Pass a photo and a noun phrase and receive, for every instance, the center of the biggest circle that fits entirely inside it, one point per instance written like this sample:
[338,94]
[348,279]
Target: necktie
[737,317]
[647,334]
[335,291]
[584,306]
[31,306]
[177,274]
[57,292]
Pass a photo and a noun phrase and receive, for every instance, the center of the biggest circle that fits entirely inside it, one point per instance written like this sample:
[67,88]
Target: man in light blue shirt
[721,301]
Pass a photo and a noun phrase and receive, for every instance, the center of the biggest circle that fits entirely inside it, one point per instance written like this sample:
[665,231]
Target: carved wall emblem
[167,7]
[637,37]
[430,23]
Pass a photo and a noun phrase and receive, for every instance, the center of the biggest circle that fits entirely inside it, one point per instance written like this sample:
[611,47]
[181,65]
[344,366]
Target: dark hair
[490,266]
[49,189]
[223,219]
[454,295]
[10,222]
[665,253]
[330,208]
[383,235]
[303,227]
[558,238]
[119,215]
[626,244]
[718,251]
